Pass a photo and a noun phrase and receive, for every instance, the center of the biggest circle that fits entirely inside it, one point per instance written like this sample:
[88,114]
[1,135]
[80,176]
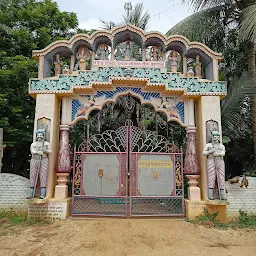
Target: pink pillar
[191,167]
[63,164]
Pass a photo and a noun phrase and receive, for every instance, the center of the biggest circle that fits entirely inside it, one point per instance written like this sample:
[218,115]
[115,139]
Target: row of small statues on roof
[125,53]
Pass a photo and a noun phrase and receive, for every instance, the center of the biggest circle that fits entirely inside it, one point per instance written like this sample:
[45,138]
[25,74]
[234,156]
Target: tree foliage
[229,27]
[34,24]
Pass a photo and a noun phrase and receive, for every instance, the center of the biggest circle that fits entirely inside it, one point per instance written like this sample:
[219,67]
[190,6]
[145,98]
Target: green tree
[229,27]
[3,5]
[215,21]
[35,24]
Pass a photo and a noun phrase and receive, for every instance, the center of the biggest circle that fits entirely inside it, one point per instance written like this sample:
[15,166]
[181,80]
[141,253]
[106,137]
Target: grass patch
[208,219]
[11,218]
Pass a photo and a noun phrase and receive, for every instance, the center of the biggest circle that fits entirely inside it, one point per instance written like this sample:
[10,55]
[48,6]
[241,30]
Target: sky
[164,13]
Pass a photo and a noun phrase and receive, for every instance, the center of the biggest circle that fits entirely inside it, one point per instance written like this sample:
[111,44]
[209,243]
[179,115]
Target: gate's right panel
[156,177]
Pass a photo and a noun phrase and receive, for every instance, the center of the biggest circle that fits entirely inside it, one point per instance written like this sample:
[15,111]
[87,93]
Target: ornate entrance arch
[129,171]
[190,96]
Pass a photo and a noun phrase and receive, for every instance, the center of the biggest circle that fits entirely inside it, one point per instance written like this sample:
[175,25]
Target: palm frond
[198,5]
[248,23]
[107,25]
[137,16]
[200,26]
[5,28]
[231,106]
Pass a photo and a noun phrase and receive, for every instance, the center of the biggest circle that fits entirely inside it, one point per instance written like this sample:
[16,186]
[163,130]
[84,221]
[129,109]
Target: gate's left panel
[99,184]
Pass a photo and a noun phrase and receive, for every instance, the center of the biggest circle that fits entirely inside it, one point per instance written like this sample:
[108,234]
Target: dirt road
[149,237]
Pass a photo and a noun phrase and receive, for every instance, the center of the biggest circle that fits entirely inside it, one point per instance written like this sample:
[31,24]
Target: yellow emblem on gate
[155,174]
[100,173]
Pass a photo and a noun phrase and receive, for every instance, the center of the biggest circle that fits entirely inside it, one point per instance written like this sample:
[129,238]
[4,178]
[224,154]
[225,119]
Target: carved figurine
[57,65]
[169,105]
[173,60]
[66,70]
[128,51]
[103,52]
[83,55]
[155,53]
[40,149]
[87,104]
[198,68]
[190,72]
[215,151]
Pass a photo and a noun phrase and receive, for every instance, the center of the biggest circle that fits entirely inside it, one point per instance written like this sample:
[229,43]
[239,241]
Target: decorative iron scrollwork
[77,175]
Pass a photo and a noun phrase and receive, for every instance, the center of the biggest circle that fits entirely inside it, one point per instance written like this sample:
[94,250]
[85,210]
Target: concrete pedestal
[61,192]
[52,208]
[196,208]
[194,194]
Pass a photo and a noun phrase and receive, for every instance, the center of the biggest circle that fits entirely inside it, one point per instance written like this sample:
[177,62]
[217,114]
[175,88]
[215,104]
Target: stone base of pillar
[196,208]
[194,194]
[53,209]
[61,191]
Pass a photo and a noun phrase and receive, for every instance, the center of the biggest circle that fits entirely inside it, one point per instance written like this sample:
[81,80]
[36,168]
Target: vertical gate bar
[130,169]
[120,172]
[127,171]
[183,192]
[73,185]
[137,174]
[83,156]
[74,170]
[174,168]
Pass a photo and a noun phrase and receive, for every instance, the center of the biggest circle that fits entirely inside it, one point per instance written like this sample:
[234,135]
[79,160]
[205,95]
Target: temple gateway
[148,82]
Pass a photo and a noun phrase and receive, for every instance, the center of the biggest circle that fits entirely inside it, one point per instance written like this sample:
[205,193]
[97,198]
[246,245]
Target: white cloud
[91,23]
[163,16]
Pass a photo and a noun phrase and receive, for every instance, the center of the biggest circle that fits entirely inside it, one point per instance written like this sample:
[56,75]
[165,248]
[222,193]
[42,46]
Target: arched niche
[79,43]
[127,35]
[177,46]
[205,59]
[101,40]
[49,59]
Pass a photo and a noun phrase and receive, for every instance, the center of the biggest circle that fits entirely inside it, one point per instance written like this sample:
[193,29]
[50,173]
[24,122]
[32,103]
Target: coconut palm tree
[213,19]
[3,27]
[135,16]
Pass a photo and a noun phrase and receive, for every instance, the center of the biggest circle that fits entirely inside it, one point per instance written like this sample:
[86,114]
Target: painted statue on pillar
[128,51]
[40,150]
[215,151]
[198,68]
[83,55]
[57,65]
[173,60]
[102,52]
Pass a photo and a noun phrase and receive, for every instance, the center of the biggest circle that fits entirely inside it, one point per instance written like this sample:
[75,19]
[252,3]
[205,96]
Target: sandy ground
[126,237]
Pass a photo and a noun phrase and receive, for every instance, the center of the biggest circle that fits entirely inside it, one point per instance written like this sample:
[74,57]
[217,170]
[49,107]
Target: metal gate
[127,172]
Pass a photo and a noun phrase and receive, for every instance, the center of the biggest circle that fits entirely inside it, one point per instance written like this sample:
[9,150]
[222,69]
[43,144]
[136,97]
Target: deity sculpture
[128,51]
[215,151]
[173,60]
[87,104]
[40,149]
[169,105]
[66,70]
[198,68]
[190,72]
[57,65]
[155,53]
[83,55]
[102,52]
